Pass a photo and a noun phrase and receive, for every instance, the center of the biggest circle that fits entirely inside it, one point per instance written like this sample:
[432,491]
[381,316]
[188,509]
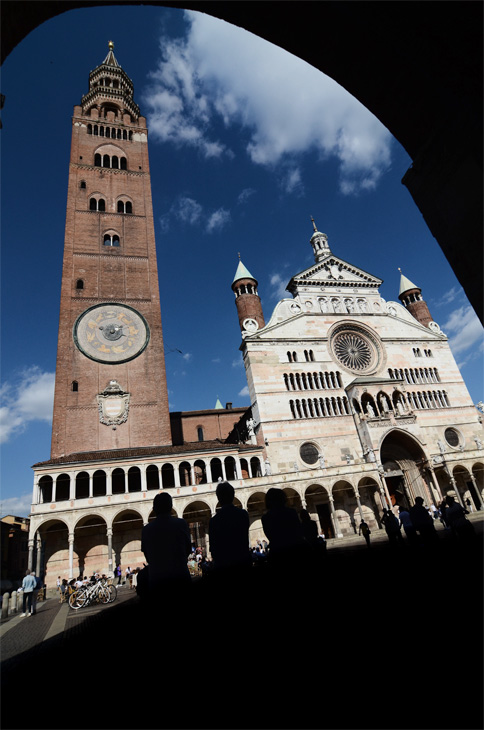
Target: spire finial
[111,46]
[399,269]
[238,254]
[314,224]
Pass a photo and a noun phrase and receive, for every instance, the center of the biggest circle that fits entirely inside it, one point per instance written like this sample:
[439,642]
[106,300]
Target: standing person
[283,530]
[228,531]
[126,574]
[119,573]
[456,517]
[28,585]
[166,544]
[392,526]
[406,523]
[423,522]
[38,586]
[365,531]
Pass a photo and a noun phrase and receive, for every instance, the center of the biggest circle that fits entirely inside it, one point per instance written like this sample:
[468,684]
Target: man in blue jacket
[28,586]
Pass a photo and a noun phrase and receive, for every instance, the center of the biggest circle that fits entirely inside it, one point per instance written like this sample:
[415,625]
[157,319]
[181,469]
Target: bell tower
[110,387]
[411,298]
[247,300]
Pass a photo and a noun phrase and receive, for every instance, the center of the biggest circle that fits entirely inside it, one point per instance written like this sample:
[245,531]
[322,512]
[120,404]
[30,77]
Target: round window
[452,436]
[309,453]
[356,348]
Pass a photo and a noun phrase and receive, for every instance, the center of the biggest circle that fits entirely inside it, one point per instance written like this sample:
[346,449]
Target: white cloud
[244,392]
[245,195]
[217,220]
[29,398]
[189,211]
[286,106]
[464,330]
[278,284]
[18,506]
[187,356]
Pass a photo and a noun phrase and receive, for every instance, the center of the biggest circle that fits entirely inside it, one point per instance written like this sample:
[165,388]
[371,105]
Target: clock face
[111,333]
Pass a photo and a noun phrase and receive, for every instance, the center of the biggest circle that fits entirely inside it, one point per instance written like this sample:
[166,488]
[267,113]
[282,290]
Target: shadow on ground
[386,638]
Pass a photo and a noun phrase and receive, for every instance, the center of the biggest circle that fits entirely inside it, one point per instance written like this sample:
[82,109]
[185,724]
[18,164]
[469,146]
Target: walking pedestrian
[392,527]
[119,573]
[365,531]
[460,526]
[28,585]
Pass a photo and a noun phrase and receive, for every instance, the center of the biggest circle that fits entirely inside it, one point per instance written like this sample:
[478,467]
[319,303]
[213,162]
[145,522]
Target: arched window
[75,386]
[89,128]
[106,161]
[111,239]
[97,160]
[120,206]
[83,185]
[115,162]
[200,433]
[101,205]
[123,163]
[129,207]
[79,284]
[93,204]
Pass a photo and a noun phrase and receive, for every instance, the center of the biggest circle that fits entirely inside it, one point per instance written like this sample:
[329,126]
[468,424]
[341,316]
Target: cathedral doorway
[90,546]
[127,527]
[51,551]
[317,502]
[256,506]
[405,475]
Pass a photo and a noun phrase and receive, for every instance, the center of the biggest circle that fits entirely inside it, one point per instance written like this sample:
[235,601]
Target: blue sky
[246,144]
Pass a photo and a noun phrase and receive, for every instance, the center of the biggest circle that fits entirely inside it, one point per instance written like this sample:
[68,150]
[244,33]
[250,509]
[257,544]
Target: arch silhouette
[433,98]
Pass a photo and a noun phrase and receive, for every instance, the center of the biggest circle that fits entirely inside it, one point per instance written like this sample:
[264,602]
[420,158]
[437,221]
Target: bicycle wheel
[113,594]
[103,595]
[77,600]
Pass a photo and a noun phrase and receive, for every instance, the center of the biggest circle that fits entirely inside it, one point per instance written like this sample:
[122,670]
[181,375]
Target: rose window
[356,349]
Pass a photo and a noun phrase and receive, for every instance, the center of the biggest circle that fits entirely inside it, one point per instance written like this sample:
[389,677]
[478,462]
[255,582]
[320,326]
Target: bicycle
[99,592]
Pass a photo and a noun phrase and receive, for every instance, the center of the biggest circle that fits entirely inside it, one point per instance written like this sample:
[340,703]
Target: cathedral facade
[356,404]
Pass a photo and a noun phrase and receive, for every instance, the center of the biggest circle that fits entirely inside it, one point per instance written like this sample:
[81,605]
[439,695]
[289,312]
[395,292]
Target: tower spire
[319,242]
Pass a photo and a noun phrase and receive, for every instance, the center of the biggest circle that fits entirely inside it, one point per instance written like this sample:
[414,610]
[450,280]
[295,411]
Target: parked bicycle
[98,592]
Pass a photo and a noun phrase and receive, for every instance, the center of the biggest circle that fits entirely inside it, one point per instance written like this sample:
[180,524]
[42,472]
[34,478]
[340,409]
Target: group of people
[418,522]
[166,541]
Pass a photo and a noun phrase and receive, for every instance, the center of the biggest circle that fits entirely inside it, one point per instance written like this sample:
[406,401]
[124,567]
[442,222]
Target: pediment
[333,272]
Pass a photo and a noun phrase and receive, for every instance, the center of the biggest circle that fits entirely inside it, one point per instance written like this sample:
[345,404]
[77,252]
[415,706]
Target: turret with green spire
[411,297]
[247,301]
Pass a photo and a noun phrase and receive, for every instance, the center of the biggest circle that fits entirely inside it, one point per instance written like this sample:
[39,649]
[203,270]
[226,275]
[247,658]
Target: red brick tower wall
[248,305]
[417,307]
[125,274]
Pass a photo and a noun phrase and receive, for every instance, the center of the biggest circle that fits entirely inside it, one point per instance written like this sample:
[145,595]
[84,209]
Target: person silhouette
[423,522]
[228,532]
[166,544]
[283,530]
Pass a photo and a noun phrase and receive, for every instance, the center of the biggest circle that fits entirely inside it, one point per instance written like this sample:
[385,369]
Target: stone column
[30,561]
[176,474]
[91,474]
[71,555]
[436,486]
[454,487]
[38,543]
[479,496]
[144,486]
[109,482]
[54,488]
[110,549]
[208,470]
[360,508]
[72,486]
[334,519]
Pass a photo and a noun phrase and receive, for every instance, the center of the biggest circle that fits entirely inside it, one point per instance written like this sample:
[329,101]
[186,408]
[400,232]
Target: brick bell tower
[411,298]
[110,387]
[247,301]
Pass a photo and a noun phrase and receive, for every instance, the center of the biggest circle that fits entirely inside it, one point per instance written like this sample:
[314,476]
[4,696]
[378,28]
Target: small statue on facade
[268,467]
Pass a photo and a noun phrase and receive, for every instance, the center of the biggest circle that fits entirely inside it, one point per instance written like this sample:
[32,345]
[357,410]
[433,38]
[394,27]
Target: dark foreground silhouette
[380,638]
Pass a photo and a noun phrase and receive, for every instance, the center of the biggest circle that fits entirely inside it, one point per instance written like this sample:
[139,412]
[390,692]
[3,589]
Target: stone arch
[152,477]
[406,476]
[200,472]
[62,487]
[185,472]
[90,545]
[467,488]
[54,552]
[372,502]
[318,505]
[256,506]
[46,484]
[127,525]
[197,515]
[134,479]
[293,498]
[167,476]
[345,507]
[99,483]
[118,480]
[82,485]
[478,474]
